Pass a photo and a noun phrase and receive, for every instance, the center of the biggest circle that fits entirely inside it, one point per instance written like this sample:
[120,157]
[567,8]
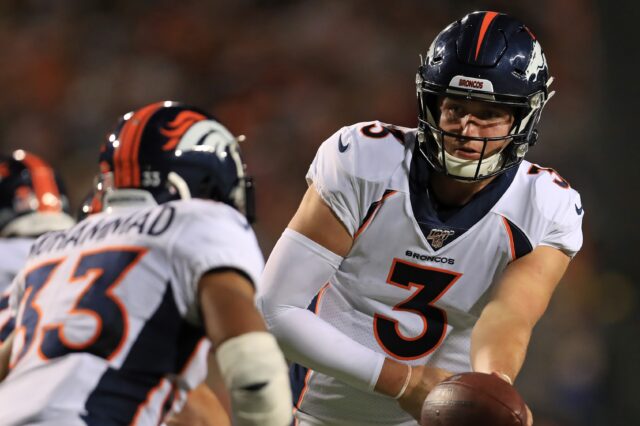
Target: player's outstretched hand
[423,379]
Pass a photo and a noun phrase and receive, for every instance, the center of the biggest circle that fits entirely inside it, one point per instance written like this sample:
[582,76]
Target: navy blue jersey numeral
[431,283]
[370,131]
[6,327]
[100,272]
[106,269]
[557,179]
[35,280]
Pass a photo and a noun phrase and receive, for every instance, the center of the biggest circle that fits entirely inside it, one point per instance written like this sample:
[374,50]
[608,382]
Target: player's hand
[202,408]
[423,379]
[508,380]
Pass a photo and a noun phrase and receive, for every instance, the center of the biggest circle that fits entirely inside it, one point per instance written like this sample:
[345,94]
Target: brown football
[474,399]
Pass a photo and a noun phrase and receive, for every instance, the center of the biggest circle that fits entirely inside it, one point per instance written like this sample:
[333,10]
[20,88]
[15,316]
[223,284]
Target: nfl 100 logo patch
[437,237]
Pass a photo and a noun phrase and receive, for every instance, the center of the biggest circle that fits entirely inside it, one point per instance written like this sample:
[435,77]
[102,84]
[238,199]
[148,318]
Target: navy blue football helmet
[489,57]
[32,197]
[167,151]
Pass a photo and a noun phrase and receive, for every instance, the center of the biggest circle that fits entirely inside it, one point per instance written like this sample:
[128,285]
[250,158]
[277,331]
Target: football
[474,399]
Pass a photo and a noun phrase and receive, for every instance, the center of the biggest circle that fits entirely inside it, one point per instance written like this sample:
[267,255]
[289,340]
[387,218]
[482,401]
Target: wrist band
[405,385]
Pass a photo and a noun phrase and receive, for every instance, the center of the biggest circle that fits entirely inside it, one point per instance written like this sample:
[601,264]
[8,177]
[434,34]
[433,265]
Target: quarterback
[420,252]
[110,312]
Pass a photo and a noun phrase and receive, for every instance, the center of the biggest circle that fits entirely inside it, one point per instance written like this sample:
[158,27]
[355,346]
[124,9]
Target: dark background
[287,74]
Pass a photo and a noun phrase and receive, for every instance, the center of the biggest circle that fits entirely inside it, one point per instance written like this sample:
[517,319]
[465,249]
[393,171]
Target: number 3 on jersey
[101,271]
[431,284]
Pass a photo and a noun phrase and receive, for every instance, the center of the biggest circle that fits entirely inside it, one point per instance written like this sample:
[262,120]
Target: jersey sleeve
[214,236]
[351,171]
[565,233]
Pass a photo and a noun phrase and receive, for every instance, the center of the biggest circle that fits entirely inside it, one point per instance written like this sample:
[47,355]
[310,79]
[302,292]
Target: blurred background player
[110,311]
[32,201]
[425,251]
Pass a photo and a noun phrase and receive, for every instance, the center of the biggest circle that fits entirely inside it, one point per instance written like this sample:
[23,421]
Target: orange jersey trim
[512,245]
[373,214]
[192,357]
[307,376]
[147,401]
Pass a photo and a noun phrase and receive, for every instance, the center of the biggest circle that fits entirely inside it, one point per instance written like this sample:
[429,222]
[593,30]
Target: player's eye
[453,111]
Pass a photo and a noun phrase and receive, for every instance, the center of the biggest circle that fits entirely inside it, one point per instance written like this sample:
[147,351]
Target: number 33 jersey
[107,312]
[418,276]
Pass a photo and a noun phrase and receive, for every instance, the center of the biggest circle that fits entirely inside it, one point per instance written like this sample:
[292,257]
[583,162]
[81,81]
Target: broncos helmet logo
[176,128]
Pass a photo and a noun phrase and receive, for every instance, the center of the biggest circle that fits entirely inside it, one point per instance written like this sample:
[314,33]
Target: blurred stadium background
[287,74]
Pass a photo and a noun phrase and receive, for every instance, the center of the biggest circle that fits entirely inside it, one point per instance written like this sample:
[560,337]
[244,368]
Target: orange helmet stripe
[486,21]
[44,183]
[125,159]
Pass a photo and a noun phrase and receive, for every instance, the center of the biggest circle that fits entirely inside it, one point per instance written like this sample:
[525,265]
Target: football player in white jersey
[417,253]
[110,311]
[194,402]
[32,202]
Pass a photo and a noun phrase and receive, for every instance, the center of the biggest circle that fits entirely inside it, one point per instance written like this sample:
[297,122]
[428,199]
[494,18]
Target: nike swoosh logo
[341,147]
[579,210]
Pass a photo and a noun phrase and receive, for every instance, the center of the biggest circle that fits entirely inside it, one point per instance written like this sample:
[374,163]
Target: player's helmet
[168,151]
[32,197]
[490,57]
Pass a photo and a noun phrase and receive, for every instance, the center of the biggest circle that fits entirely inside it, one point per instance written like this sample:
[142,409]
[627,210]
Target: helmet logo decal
[537,62]
[486,21]
[209,136]
[178,127]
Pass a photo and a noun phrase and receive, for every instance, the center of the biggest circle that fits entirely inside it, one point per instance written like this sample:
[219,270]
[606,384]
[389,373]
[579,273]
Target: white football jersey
[107,312]
[416,279]
[13,255]
[192,375]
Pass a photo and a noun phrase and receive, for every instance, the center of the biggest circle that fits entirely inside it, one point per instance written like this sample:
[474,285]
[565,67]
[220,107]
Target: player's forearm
[295,272]
[499,341]
[501,335]
[5,355]
[315,344]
